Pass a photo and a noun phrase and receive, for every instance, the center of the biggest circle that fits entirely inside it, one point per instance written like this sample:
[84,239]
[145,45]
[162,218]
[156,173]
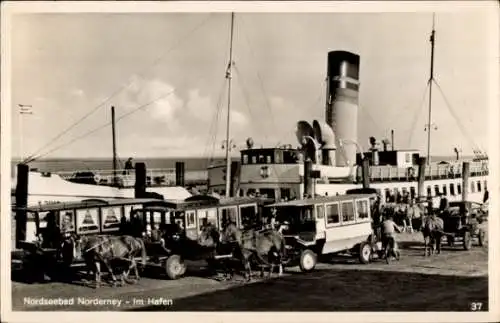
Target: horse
[432,229]
[97,250]
[264,246]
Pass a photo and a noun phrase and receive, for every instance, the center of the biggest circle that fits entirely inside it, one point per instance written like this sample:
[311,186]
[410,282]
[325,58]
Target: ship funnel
[325,136]
[306,138]
[342,103]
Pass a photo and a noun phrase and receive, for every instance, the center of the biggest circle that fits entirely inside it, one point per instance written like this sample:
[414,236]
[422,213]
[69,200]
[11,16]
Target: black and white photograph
[250,158]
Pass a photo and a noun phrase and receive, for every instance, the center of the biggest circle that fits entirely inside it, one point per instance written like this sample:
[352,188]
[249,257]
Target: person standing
[128,166]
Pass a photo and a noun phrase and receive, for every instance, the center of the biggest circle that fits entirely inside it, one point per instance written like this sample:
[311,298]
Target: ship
[328,159]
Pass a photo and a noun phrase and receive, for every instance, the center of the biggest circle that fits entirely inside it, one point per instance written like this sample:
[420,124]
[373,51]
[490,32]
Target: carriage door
[190,222]
[320,221]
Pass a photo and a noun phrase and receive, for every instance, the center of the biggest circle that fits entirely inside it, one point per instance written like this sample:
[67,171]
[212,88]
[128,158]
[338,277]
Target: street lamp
[23,109]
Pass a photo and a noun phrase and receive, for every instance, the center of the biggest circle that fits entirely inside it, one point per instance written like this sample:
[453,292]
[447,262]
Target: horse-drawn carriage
[50,229]
[326,225]
[174,227]
[464,220]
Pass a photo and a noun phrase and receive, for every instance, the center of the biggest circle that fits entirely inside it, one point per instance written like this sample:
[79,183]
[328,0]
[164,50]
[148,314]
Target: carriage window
[347,212]
[67,219]
[452,189]
[227,216]
[87,220]
[362,209]
[436,189]
[212,216]
[332,214]
[459,188]
[248,215]
[478,186]
[429,191]
[445,191]
[202,218]
[320,212]
[472,187]
[190,219]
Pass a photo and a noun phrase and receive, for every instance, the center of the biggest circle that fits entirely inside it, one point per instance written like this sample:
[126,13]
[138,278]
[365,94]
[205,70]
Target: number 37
[476,306]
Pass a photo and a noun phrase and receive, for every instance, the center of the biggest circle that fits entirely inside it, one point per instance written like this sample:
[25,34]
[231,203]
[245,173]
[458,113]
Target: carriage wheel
[175,267]
[365,252]
[451,241]
[308,260]
[481,237]
[467,241]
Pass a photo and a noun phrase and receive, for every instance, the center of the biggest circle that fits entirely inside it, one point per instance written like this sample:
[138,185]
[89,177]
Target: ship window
[387,195]
[452,189]
[254,159]
[285,193]
[407,158]
[261,159]
[485,185]
[251,191]
[436,189]
[412,192]
[459,188]
[472,187]
[245,159]
[332,214]
[479,186]
[277,156]
[269,192]
[429,191]
[289,157]
[445,191]
[268,159]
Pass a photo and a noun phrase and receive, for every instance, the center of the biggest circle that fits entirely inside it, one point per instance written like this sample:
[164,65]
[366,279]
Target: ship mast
[228,142]
[431,79]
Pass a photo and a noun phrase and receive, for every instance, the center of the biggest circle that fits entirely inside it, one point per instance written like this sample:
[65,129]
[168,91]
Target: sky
[65,65]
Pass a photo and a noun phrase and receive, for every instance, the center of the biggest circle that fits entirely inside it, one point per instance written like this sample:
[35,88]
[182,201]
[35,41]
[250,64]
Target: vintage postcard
[250,161]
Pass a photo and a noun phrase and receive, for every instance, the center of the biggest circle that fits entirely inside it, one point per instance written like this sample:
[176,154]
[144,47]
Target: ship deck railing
[432,172]
[126,178]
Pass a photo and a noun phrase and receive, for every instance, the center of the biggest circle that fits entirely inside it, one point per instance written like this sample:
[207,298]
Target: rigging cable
[460,125]
[416,114]
[121,88]
[212,140]
[261,83]
[247,101]
[99,128]
[212,136]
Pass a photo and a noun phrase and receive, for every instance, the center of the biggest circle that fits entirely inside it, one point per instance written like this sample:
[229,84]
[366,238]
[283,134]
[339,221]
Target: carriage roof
[320,199]
[87,204]
[201,201]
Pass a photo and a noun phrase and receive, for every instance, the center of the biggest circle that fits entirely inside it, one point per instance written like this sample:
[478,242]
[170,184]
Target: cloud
[77,92]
